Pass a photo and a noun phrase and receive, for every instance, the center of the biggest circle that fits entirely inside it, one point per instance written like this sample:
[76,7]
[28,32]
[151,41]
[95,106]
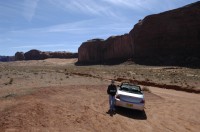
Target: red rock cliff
[164,36]
[172,33]
[113,49]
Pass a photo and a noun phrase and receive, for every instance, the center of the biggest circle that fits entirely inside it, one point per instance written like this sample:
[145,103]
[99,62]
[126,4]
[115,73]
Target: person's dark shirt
[112,90]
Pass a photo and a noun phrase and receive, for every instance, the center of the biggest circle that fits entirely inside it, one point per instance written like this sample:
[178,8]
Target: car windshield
[131,89]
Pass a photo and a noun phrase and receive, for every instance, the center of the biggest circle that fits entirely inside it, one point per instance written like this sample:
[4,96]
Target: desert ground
[55,95]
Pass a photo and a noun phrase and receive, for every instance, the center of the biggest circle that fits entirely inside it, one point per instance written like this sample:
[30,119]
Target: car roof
[130,84]
[127,83]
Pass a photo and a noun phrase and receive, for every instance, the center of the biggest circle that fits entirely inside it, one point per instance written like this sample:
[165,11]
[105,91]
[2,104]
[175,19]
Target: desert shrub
[146,89]
[174,81]
[9,95]
[35,73]
[9,82]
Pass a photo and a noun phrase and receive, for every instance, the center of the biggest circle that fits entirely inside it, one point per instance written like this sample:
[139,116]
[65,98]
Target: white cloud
[79,27]
[89,7]
[151,6]
[29,8]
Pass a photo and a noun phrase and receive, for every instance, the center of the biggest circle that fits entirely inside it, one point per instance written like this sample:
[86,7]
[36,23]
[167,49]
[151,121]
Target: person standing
[112,90]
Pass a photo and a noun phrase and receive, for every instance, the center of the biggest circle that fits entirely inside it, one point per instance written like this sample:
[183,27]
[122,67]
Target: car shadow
[134,114]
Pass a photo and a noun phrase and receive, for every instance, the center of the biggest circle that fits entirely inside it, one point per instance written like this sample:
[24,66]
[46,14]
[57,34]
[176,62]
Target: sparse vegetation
[9,95]
[147,80]
[35,73]
[9,82]
[146,89]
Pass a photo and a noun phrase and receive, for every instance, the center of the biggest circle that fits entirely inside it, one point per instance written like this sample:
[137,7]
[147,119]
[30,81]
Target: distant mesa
[40,55]
[6,58]
[168,38]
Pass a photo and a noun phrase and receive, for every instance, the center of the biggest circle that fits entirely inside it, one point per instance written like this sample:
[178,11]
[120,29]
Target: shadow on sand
[134,114]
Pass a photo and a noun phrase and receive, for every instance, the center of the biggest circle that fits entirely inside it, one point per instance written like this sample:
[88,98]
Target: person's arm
[108,90]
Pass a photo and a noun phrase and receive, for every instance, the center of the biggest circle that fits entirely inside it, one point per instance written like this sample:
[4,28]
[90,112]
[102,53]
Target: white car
[130,96]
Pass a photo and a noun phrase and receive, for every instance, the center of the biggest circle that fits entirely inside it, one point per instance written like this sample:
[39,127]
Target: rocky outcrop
[35,55]
[19,56]
[115,48]
[39,55]
[166,38]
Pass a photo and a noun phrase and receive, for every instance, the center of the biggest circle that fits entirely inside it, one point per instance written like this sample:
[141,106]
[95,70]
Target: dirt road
[84,107]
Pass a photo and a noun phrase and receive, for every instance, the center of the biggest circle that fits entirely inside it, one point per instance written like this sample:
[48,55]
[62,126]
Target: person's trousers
[112,102]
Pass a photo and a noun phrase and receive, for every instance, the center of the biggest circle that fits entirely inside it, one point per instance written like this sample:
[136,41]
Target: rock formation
[115,48]
[19,56]
[39,55]
[166,38]
[35,55]
[170,36]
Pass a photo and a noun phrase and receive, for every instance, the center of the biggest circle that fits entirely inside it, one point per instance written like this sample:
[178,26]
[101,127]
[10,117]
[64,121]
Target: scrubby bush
[146,89]
[9,82]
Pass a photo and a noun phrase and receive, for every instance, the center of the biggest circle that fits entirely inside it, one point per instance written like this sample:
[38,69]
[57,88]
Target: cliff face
[39,55]
[172,33]
[99,51]
[119,47]
[169,37]
[91,51]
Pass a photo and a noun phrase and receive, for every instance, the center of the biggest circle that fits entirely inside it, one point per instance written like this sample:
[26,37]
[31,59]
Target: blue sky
[62,25]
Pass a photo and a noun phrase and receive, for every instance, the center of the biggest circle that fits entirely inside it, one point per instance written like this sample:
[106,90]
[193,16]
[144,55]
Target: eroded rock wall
[167,38]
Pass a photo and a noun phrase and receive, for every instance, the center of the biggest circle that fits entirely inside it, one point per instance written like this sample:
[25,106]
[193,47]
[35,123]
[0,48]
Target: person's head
[112,82]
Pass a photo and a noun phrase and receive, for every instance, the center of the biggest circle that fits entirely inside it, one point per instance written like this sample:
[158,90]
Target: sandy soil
[50,95]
